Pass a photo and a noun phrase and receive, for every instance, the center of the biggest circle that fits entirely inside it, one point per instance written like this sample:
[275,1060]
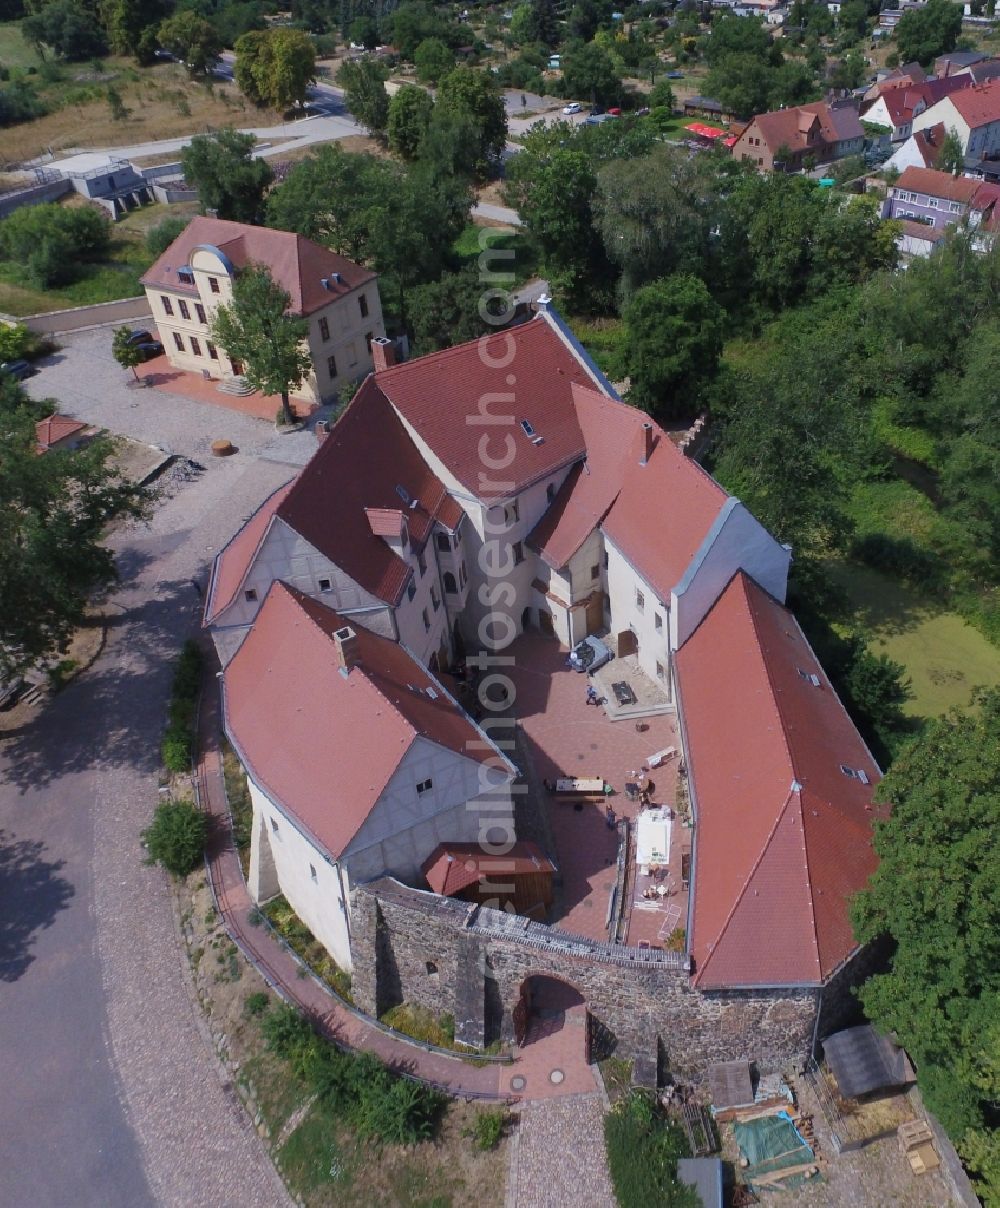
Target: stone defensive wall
[473,962]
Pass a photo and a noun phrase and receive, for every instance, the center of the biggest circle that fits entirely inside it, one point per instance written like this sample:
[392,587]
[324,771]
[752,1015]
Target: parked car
[614,111]
[150,349]
[140,336]
[675,75]
[588,655]
[18,370]
[572,107]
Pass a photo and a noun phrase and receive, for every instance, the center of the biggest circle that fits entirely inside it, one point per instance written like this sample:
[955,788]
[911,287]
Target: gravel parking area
[89,384]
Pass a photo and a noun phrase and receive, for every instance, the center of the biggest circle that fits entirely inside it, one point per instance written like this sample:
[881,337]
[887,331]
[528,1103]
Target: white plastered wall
[624,585]
[318,901]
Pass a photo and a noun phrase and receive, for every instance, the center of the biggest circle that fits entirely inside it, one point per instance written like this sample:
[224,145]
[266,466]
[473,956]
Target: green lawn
[117,277]
[469,247]
[14,50]
[944,656]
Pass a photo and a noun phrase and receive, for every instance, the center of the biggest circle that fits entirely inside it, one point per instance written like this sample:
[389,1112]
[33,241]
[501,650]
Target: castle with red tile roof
[461,499]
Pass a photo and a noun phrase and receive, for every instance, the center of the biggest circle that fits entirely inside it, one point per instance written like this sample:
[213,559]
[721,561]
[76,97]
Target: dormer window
[185,276]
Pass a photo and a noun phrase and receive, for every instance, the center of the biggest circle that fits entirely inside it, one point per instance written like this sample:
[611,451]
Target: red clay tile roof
[783,835]
[920,230]
[938,184]
[978,105]
[359,466]
[49,432]
[297,264]
[789,127]
[442,396]
[928,143]
[452,867]
[615,491]
[236,558]
[385,522]
[322,745]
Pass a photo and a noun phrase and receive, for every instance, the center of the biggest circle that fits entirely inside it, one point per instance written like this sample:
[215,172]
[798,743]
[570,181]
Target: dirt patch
[162,102]
[490,194]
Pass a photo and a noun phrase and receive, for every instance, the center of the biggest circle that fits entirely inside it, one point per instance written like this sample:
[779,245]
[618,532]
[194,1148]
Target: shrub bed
[643,1148]
[178,739]
[305,945]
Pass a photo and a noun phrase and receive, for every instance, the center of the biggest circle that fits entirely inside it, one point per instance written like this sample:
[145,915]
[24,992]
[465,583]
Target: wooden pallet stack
[917,1143]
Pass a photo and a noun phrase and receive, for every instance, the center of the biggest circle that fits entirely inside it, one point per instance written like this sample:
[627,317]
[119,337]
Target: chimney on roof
[383,353]
[347,648]
[543,302]
[645,443]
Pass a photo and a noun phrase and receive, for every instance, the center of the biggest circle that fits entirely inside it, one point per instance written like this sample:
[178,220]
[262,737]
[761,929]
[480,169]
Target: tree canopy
[936,892]
[409,116]
[275,66]
[54,511]
[674,332]
[193,40]
[924,33]
[363,83]
[228,178]
[473,94]
[53,243]
[257,330]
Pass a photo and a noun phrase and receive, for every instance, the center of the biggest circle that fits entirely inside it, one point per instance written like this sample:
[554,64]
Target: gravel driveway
[111,1094]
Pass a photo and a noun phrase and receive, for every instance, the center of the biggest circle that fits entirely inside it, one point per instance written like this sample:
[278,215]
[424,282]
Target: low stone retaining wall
[54,322]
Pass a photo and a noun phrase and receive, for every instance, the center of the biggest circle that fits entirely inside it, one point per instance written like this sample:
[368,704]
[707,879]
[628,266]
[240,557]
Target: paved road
[111,1095]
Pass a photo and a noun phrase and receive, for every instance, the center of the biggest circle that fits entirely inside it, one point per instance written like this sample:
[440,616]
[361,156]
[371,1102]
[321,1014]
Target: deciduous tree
[193,40]
[257,330]
[227,176]
[363,83]
[923,33]
[674,335]
[936,892]
[55,510]
[409,116]
[433,60]
[275,67]
[589,73]
[125,351]
[466,91]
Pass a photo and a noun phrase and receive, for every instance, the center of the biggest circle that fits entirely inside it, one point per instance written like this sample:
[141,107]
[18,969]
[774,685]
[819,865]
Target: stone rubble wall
[409,946]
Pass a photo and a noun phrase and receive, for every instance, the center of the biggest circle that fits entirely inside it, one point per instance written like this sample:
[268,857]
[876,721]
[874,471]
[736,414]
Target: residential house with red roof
[195,275]
[787,139]
[927,202]
[897,104]
[973,114]
[357,759]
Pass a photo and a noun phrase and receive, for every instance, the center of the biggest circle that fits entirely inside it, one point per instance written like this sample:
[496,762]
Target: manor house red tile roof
[612,489]
[368,463]
[452,867]
[297,264]
[783,821]
[321,743]
[467,404]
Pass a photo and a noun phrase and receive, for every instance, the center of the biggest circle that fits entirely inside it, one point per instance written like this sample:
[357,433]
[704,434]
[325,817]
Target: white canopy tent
[652,837]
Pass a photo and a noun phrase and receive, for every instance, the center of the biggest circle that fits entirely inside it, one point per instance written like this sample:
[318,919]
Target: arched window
[450,586]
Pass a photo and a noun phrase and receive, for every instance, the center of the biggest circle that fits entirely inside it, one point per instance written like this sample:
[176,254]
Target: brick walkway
[452,1074]
[161,375]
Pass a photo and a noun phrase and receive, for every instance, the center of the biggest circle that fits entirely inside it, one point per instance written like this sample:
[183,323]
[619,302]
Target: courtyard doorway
[552,1035]
[628,643]
[545,623]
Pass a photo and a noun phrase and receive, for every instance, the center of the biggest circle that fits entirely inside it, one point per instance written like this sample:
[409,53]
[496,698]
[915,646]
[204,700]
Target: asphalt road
[110,1094]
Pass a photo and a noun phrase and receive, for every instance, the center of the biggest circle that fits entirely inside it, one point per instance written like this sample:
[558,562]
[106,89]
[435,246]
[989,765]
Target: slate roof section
[236,558]
[323,745]
[524,373]
[297,264]
[357,470]
[783,834]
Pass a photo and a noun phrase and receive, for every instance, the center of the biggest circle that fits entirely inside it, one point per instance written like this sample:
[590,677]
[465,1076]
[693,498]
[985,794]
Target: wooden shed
[521,879]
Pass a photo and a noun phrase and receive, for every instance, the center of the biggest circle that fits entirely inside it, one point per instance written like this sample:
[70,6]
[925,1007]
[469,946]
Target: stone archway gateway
[551,1033]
